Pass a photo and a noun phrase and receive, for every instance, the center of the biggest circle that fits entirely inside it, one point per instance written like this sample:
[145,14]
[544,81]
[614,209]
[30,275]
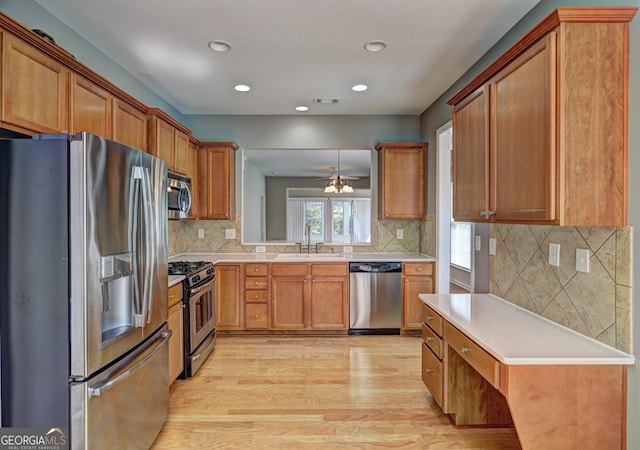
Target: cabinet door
[523,150]
[288,310]
[402,185]
[470,158]
[35,88]
[192,171]
[328,303]
[175,321]
[181,152]
[162,141]
[217,175]
[228,304]
[129,125]
[90,108]
[412,306]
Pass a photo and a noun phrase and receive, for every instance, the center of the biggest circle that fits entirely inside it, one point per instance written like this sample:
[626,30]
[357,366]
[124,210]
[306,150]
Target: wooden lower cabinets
[528,139]
[256,296]
[417,278]
[229,314]
[463,379]
[282,297]
[309,296]
[175,321]
[35,89]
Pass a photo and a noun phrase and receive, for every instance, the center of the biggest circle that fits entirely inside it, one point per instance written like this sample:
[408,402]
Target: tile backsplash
[183,238]
[596,304]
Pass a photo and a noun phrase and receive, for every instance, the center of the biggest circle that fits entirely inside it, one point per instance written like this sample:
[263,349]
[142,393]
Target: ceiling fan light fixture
[330,188]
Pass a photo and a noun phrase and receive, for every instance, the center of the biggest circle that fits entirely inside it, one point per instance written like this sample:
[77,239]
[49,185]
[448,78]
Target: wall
[601,303]
[33,16]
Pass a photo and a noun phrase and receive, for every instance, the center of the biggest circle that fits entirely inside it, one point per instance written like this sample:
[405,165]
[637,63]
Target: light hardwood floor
[348,392]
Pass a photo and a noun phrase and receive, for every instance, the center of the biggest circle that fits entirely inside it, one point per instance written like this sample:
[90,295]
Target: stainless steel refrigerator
[83,277]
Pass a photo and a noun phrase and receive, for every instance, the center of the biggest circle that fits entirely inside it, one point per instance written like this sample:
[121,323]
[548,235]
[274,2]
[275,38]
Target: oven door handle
[203,287]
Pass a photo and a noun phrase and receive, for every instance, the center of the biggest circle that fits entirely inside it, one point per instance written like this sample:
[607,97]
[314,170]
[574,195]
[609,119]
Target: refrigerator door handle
[150,255]
[96,391]
[134,183]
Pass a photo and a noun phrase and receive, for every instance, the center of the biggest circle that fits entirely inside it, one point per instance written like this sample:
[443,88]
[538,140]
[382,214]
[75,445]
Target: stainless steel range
[199,312]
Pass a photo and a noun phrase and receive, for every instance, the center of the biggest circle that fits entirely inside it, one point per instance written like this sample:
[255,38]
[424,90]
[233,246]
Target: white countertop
[175,279]
[302,257]
[515,336]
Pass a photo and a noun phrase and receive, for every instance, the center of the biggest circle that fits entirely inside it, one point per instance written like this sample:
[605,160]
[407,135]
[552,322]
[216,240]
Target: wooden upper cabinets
[169,141]
[91,108]
[217,180]
[35,89]
[129,125]
[540,136]
[401,180]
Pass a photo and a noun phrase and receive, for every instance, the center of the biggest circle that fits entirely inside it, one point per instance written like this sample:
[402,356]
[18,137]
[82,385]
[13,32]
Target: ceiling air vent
[326,100]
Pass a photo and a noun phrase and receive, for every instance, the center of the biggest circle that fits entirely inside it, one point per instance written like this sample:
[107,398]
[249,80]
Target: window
[461,244]
[335,220]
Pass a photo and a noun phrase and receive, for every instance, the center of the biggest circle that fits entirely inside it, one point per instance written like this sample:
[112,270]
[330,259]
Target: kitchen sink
[308,256]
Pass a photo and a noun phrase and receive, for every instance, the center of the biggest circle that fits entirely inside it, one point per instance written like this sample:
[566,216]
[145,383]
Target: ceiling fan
[337,182]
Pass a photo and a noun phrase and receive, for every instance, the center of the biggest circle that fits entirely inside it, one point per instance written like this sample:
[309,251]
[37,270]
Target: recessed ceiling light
[302,108]
[219,46]
[375,46]
[359,87]
[242,88]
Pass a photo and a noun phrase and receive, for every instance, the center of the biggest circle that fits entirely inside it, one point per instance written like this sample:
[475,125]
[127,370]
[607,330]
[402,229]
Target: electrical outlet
[230,233]
[347,249]
[582,260]
[554,254]
[200,233]
[400,233]
[260,249]
[478,241]
[492,247]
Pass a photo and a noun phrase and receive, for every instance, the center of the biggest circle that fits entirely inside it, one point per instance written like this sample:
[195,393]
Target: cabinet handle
[305,280]
[255,283]
[483,213]
[464,349]
[428,370]
[255,296]
[429,318]
[255,269]
[428,339]
[172,296]
[255,317]
[490,213]
[419,269]
[237,268]
[313,280]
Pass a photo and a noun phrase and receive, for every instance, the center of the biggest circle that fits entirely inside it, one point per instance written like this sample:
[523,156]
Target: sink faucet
[308,231]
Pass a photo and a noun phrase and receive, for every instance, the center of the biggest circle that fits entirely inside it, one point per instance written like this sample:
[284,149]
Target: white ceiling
[291,51]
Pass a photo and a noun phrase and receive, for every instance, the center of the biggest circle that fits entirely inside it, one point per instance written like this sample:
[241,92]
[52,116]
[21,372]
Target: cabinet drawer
[432,374]
[255,316]
[434,320]
[329,269]
[485,364]
[288,270]
[254,296]
[174,294]
[433,341]
[418,269]
[255,282]
[253,269]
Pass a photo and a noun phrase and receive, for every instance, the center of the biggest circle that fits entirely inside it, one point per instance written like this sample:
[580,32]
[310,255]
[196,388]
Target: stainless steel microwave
[179,196]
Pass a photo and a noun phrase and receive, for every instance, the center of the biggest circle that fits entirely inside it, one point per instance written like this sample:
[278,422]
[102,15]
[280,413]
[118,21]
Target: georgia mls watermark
[33,439]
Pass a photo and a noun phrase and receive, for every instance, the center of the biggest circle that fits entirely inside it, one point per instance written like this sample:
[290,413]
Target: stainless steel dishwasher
[375,297]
